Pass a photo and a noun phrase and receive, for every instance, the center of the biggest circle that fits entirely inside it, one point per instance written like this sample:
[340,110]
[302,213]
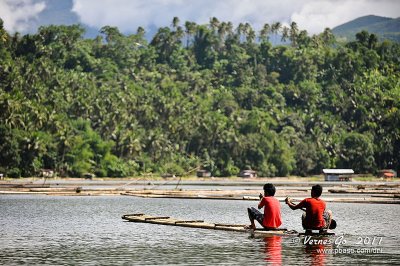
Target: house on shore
[338,174]
[387,173]
[47,173]
[248,174]
[203,173]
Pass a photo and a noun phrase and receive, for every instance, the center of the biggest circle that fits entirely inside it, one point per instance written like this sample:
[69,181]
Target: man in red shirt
[271,218]
[316,217]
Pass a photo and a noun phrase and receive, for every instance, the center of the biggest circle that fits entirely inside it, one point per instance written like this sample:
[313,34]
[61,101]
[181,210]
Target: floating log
[190,221]
[231,225]
[396,196]
[370,191]
[13,185]
[165,220]
[54,189]
[167,196]
[250,198]
[133,214]
[157,218]
[357,199]
[316,233]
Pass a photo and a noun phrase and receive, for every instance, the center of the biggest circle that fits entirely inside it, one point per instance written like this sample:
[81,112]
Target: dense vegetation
[210,96]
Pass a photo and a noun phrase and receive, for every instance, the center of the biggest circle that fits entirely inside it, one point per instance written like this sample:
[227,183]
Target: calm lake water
[57,230]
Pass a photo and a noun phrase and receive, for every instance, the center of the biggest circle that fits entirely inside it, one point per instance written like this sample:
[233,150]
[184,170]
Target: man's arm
[260,204]
[292,205]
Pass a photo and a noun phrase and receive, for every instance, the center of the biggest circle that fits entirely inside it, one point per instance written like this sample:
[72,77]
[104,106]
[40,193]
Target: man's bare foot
[252,227]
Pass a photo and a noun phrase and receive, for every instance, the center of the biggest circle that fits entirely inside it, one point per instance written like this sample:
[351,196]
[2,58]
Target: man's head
[269,189]
[316,191]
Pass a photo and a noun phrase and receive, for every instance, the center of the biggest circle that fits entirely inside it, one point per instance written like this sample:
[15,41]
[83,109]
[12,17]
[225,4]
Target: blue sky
[127,15]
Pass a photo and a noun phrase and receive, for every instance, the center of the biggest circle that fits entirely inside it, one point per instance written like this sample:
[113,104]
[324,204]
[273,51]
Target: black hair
[317,190]
[269,189]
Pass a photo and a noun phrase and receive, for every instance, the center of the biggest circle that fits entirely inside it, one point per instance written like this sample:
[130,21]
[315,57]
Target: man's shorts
[256,215]
[325,215]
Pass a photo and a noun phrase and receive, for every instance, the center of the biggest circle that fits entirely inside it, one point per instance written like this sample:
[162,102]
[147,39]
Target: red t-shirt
[315,208]
[272,212]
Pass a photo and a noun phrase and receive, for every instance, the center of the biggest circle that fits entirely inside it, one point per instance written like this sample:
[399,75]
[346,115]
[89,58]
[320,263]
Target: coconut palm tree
[275,29]
[214,24]
[190,30]
[285,33]
[293,33]
[175,22]
[265,31]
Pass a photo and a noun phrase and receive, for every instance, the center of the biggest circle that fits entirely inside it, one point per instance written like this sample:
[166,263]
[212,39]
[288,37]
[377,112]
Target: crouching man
[271,219]
[316,217]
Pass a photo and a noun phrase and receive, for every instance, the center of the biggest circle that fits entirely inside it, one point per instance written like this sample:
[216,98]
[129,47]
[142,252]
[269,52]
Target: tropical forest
[216,97]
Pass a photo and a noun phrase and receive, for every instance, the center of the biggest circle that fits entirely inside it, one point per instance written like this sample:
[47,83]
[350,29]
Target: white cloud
[17,14]
[127,15]
[317,15]
[311,15]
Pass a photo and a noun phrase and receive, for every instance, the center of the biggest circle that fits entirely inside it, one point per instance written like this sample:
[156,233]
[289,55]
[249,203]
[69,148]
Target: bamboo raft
[166,220]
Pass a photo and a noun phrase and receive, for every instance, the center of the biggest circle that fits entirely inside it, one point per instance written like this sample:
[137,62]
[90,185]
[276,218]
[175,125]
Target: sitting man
[271,219]
[316,217]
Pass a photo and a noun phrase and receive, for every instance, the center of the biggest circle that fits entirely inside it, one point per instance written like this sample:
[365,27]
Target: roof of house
[387,174]
[338,171]
[248,171]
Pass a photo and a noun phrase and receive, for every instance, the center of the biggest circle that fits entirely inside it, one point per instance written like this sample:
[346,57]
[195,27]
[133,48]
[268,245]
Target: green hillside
[196,96]
[384,28]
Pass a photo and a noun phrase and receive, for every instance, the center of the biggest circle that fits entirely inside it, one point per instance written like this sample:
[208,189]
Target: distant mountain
[58,13]
[384,28]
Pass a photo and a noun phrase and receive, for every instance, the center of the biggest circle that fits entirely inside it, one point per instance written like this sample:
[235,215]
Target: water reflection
[273,250]
[316,248]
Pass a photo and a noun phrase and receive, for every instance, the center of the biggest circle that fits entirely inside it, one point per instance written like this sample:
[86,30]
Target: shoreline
[376,192]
